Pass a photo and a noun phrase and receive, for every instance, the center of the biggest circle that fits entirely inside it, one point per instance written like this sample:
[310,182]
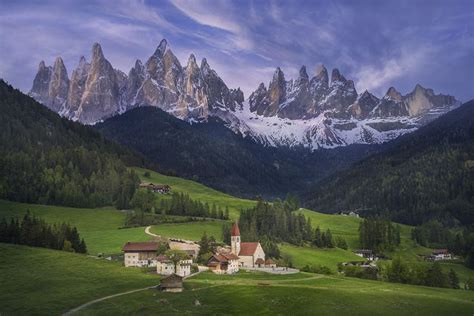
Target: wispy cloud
[246,40]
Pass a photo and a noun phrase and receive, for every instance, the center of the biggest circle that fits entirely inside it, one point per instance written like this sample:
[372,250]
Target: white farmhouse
[165,266]
[140,254]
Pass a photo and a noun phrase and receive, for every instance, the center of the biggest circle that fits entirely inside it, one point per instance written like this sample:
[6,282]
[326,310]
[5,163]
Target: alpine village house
[144,254]
[241,254]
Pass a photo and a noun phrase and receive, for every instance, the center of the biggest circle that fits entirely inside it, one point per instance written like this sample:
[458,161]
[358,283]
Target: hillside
[212,154]
[47,159]
[427,174]
[49,282]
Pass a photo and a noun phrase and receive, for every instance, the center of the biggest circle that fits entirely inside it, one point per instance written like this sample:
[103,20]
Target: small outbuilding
[269,263]
[172,283]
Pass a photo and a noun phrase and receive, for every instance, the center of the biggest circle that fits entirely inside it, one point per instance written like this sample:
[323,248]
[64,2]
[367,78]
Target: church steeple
[235,239]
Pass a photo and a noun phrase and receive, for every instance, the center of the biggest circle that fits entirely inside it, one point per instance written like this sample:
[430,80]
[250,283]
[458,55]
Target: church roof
[235,231]
[248,248]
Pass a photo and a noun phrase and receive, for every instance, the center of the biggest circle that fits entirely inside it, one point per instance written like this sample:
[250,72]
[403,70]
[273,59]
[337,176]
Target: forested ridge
[47,159]
[214,155]
[426,175]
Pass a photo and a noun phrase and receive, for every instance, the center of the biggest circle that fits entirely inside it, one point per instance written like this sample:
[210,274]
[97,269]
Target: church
[250,254]
[240,254]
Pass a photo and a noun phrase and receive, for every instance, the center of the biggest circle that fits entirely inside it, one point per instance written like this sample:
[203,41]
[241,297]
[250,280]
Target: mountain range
[314,112]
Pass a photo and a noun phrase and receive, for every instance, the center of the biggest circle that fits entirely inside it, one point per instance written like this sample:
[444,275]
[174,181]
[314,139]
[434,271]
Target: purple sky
[376,43]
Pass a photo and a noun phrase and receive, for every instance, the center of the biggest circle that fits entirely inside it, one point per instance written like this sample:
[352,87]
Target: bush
[316,269]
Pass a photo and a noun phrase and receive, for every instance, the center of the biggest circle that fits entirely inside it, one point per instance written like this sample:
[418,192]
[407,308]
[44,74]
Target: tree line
[420,274]
[277,222]
[378,234]
[35,232]
[434,235]
[180,204]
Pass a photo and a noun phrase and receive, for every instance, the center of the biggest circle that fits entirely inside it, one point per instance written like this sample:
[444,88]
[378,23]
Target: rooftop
[140,246]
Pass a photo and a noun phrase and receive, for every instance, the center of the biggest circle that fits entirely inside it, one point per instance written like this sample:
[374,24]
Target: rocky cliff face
[97,90]
[318,113]
[312,111]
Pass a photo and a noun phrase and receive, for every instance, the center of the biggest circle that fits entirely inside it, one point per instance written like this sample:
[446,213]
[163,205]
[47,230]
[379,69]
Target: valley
[178,157]
[103,232]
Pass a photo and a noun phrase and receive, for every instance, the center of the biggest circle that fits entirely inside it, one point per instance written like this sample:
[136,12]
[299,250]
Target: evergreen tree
[453,279]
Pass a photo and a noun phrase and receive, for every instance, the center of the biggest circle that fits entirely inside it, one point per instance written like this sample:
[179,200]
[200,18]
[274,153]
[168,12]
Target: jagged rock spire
[97,52]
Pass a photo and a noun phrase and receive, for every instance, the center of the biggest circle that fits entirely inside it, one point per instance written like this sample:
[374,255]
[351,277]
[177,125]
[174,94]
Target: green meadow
[47,282]
[301,294]
[197,191]
[100,228]
[37,281]
[190,231]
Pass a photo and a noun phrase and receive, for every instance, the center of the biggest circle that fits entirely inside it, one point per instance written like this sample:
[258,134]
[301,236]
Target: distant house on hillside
[156,188]
[440,254]
[172,283]
[365,253]
[349,213]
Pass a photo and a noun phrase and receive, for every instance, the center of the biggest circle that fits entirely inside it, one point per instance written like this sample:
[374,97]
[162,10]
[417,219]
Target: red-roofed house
[224,263]
[248,252]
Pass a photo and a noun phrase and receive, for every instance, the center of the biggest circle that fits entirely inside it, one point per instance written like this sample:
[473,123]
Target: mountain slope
[423,175]
[47,159]
[214,155]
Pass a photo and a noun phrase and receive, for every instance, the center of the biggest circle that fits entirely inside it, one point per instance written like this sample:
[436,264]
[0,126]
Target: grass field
[190,231]
[301,294]
[312,256]
[198,191]
[99,227]
[344,226]
[36,281]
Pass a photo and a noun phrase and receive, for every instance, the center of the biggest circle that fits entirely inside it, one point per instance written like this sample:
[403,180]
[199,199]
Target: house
[440,254]
[248,252]
[366,253]
[140,254]
[172,283]
[223,263]
[165,266]
[191,249]
[349,213]
[143,254]
[157,188]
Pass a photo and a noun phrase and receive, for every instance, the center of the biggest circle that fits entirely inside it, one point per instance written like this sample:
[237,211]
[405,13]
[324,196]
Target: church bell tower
[235,239]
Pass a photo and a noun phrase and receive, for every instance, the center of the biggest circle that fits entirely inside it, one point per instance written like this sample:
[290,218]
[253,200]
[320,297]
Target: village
[179,262]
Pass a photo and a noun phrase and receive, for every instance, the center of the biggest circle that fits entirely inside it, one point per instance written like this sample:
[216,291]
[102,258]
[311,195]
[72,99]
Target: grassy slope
[48,282]
[98,227]
[303,294]
[312,256]
[190,231]
[198,191]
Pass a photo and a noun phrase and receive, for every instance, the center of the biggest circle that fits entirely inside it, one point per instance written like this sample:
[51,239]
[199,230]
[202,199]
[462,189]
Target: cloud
[218,14]
[378,78]
[246,40]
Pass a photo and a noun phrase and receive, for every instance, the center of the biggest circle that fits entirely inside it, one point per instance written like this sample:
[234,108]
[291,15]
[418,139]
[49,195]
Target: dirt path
[148,232]
[75,310]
